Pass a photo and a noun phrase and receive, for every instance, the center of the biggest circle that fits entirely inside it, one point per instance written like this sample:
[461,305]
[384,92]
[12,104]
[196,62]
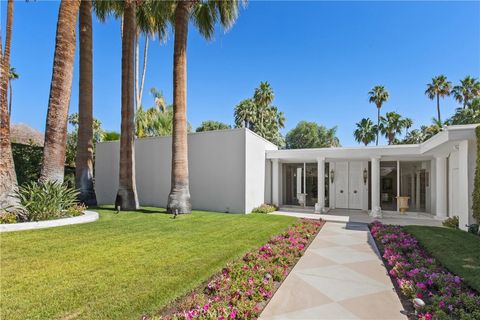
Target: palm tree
[127,198]
[470,115]
[366,131]
[52,168]
[439,87]
[84,154]
[391,125]
[378,95]
[8,178]
[468,90]
[263,97]
[245,114]
[159,99]
[13,75]
[152,19]
[414,137]
[407,123]
[204,15]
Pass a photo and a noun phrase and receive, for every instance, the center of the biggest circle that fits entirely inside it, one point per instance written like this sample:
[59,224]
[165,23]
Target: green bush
[476,187]
[264,208]
[7,217]
[43,201]
[451,222]
[27,159]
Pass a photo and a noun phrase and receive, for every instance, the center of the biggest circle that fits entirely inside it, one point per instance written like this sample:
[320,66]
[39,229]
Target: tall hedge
[476,186]
[28,159]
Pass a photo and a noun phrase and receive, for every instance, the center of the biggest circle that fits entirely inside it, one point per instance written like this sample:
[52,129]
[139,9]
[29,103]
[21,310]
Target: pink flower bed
[243,288]
[418,275]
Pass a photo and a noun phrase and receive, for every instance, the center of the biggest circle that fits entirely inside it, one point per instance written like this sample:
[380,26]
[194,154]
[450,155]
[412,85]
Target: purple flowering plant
[419,275]
[242,289]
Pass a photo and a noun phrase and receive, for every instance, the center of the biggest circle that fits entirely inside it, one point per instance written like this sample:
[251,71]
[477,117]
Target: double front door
[348,182]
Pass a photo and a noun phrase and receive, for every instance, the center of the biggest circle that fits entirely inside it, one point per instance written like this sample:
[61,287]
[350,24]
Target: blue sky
[321,59]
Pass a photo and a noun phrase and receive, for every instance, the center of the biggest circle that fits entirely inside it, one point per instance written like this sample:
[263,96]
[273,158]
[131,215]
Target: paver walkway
[339,277]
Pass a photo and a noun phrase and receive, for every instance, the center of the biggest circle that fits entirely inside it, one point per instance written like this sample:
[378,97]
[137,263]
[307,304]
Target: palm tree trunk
[438,109]
[10,99]
[378,124]
[60,89]
[84,156]
[127,198]
[8,178]
[179,197]
[144,70]
[137,53]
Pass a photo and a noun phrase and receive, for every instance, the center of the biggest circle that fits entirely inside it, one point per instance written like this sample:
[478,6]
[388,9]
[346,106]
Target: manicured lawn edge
[87,216]
[416,274]
[244,287]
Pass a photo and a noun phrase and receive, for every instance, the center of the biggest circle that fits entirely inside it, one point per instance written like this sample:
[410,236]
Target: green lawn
[122,265]
[457,250]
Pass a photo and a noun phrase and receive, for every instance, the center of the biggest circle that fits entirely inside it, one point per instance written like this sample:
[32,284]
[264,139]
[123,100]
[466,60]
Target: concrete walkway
[339,277]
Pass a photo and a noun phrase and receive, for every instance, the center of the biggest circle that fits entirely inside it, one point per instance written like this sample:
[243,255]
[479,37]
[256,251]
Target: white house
[236,170]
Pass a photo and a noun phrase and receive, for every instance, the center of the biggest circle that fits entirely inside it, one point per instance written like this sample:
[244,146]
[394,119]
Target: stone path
[339,277]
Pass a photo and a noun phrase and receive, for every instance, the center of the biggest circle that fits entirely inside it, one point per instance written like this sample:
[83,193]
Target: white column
[376,209]
[413,193]
[417,191]
[320,206]
[275,182]
[441,187]
[463,192]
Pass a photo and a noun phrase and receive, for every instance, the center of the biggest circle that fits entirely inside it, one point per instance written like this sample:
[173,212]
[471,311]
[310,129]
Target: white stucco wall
[216,168]
[255,165]
[226,169]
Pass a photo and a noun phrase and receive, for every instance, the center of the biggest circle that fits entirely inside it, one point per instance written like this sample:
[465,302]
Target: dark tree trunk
[60,90]
[378,123]
[11,97]
[438,109]
[127,198]
[8,178]
[84,156]
[179,197]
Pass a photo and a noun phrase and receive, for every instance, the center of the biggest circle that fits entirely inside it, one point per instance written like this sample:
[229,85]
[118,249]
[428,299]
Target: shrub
[476,186]
[27,159]
[76,209]
[43,201]
[265,208]
[451,222]
[7,217]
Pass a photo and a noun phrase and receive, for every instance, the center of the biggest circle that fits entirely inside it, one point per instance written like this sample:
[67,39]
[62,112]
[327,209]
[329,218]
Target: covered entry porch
[374,180]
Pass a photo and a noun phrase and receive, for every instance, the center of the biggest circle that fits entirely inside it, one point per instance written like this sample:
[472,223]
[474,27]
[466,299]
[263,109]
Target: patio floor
[339,277]
[359,216]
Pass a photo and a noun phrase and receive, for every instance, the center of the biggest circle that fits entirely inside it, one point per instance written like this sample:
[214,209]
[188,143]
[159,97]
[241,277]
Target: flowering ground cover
[242,289]
[419,275]
[456,250]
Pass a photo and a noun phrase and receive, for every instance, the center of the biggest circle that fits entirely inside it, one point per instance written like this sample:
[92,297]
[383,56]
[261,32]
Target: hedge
[476,186]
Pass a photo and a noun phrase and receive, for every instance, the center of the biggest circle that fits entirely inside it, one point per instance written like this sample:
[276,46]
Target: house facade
[236,170]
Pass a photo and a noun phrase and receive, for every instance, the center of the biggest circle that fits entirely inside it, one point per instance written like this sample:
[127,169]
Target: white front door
[355,185]
[341,185]
[348,185]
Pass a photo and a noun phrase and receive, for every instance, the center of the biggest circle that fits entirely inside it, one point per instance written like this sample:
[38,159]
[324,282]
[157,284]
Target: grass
[122,265]
[456,250]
